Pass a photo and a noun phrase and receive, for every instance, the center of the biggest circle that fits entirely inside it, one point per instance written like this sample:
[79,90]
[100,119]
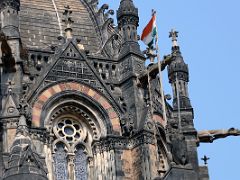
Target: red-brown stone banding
[73,86]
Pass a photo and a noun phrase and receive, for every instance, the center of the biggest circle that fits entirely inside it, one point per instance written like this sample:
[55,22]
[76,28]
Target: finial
[10,85]
[153,12]
[174,35]
[205,159]
[25,113]
[150,53]
[68,21]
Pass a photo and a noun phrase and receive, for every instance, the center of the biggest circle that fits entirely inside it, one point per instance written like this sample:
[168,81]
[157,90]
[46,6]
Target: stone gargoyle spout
[208,136]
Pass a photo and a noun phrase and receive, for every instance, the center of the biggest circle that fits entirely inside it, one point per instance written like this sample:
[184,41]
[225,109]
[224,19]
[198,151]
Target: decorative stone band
[109,143]
[159,119]
[73,86]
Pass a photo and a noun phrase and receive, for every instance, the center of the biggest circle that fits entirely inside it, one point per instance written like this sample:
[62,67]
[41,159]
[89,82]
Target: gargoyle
[103,8]
[208,136]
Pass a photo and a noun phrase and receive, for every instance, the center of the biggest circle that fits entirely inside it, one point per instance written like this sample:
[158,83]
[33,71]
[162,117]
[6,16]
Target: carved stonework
[10,3]
[123,143]
[73,69]
[125,68]
[179,150]
[76,91]
[127,125]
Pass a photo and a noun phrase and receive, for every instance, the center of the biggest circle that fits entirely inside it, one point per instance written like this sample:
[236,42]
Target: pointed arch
[80,163]
[85,93]
[60,162]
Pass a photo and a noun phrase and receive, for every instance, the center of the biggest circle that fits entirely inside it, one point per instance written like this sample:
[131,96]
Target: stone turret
[178,75]
[10,58]
[132,61]
[9,17]
[183,132]
[24,163]
[127,16]
[9,10]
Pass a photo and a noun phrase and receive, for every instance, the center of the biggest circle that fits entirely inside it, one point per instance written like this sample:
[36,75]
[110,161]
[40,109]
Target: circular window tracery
[77,114]
[69,129]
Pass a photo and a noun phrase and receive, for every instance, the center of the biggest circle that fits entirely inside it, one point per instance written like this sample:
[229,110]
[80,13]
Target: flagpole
[145,37]
[160,76]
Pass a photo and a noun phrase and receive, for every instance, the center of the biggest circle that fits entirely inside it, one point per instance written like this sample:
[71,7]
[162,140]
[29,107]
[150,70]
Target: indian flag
[150,32]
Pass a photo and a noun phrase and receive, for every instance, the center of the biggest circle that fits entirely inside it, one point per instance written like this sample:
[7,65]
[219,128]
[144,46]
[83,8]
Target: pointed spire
[22,128]
[178,75]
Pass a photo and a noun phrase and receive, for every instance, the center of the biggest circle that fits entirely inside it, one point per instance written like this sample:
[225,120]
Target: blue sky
[209,37]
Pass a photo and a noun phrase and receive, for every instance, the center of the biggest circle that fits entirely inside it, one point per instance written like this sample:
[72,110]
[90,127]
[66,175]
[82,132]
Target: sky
[209,37]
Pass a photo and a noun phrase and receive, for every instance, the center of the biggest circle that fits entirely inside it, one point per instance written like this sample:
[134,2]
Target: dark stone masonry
[78,103]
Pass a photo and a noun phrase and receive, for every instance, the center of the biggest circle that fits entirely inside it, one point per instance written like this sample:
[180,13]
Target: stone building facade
[78,103]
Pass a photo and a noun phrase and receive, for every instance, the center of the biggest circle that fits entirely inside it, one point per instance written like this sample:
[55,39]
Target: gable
[67,65]
[72,65]
[10,106]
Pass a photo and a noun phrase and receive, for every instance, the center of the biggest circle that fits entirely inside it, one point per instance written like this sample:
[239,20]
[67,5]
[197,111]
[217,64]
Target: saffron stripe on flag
[148,29]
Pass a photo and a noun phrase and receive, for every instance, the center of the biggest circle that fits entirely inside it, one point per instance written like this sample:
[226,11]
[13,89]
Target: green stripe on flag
[154,32]
[151,43]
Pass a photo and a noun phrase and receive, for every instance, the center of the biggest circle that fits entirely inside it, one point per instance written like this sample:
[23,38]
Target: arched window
[60,159]
[73,128]
[80,164]
[69,130]
[74,131]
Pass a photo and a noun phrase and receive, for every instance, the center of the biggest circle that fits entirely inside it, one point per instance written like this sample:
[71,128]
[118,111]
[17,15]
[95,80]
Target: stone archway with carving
[79,89]
[75,115]
[73,129]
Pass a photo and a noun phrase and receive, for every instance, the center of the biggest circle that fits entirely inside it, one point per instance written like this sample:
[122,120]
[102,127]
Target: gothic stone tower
[75,102]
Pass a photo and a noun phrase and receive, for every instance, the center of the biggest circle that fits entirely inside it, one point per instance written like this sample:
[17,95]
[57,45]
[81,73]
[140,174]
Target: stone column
[49,161]
[91,168]
[112,164]
[71,170]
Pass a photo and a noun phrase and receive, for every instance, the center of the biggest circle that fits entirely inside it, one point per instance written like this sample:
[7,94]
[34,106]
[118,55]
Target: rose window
[69,130]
